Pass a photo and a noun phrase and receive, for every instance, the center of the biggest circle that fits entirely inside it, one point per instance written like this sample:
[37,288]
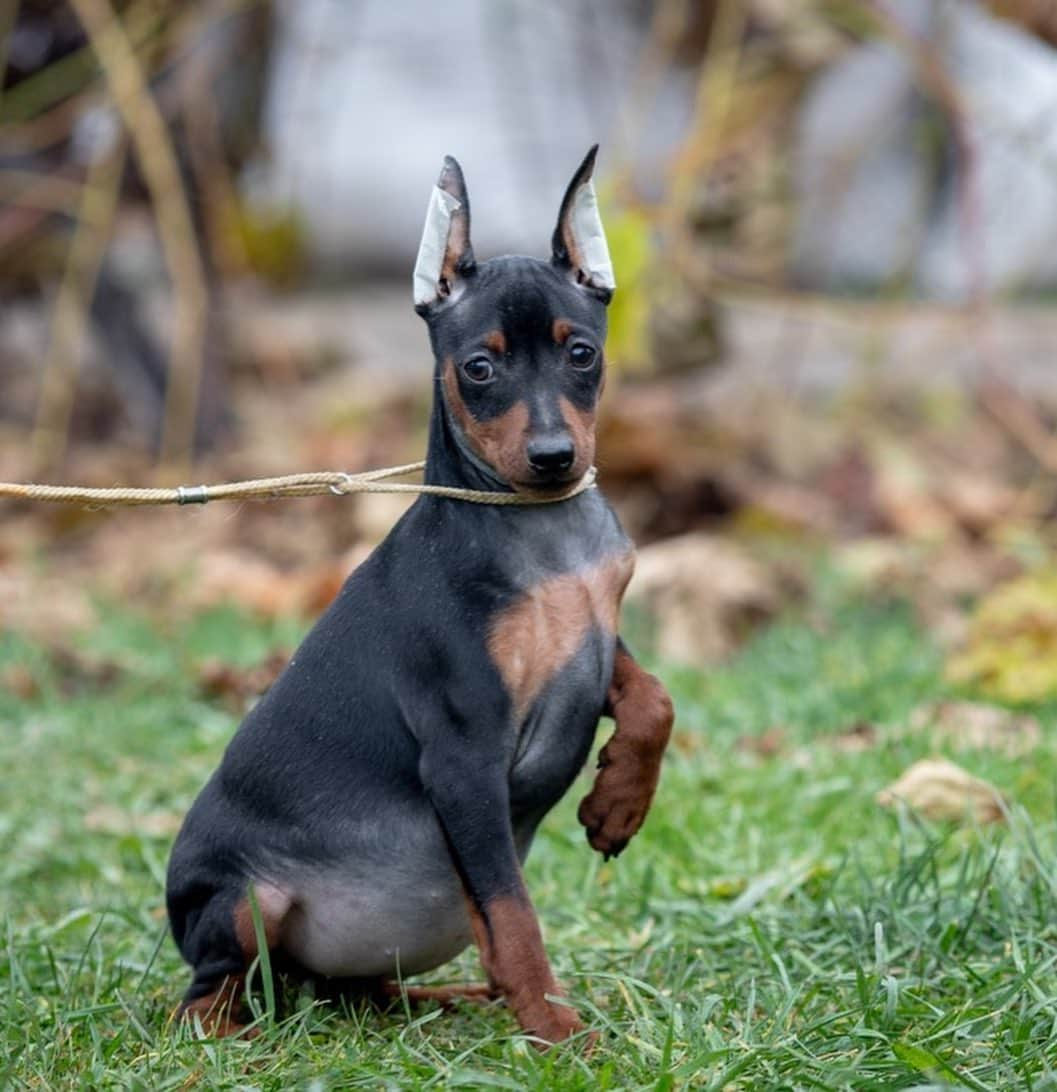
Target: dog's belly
[397,921]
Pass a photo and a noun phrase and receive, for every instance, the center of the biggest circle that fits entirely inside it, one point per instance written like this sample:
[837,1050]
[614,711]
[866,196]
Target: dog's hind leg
[219,940]
[218,1004]
[444,996]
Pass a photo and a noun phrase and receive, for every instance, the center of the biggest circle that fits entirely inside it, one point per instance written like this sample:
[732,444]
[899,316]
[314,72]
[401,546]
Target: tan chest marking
[540,632]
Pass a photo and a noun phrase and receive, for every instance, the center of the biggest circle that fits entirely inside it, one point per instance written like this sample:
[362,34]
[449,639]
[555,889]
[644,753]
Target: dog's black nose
[551,454]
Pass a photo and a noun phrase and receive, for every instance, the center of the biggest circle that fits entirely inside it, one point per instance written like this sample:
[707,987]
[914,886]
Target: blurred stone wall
[367,97]
[926,160]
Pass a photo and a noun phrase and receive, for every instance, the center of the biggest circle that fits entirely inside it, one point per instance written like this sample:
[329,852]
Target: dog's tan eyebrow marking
[561,330]
[495,340]
[533,638]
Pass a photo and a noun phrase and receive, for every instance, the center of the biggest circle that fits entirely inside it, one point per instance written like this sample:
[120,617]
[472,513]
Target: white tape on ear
[590,237]
[434,245]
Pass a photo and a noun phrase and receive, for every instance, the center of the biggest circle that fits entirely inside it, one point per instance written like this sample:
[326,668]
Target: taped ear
[579,243]
[445,255]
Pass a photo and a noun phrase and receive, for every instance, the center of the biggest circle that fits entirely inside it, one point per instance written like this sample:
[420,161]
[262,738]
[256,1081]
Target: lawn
[772,926]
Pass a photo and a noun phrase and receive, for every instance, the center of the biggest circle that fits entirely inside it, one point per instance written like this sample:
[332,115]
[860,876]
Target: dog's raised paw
[613,812]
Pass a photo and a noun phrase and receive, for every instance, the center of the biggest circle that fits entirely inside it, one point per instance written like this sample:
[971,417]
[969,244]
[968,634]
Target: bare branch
[161,173]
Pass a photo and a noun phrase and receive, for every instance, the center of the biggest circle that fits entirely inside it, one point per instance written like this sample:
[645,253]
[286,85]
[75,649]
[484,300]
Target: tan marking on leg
[630,763]
[499,441]
[480,937]
[220,1012]
[531,640]
[515,960]
[274,904]
[445,996]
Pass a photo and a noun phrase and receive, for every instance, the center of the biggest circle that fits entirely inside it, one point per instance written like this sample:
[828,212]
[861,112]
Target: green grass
[771,928]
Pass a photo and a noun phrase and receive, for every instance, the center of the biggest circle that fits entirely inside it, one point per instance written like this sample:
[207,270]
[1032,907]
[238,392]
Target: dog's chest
[538,635]
[553,646]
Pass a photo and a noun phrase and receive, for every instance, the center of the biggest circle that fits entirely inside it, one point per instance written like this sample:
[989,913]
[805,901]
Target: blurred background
[834,233]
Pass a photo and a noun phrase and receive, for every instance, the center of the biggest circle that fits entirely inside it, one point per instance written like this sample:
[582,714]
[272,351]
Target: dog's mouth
[548,484]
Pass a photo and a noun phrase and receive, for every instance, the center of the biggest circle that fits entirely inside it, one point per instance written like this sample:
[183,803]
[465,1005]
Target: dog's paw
[616,807]
[629,765]
[217,1025]
[551,1023]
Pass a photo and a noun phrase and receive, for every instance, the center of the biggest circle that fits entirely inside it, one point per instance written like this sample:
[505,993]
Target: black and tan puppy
[381,798]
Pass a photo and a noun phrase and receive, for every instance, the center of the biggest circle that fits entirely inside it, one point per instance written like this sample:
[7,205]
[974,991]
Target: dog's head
[518,341]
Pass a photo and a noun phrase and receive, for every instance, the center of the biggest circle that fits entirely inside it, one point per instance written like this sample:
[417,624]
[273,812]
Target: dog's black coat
[386,785]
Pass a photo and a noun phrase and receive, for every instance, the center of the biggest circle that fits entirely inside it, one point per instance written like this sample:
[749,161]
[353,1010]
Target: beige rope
[292,485]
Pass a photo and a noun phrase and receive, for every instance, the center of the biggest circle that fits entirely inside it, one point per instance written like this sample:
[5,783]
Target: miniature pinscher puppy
[381,798]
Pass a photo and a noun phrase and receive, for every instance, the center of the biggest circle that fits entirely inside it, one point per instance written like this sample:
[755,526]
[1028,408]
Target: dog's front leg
[470,795]
[630,763]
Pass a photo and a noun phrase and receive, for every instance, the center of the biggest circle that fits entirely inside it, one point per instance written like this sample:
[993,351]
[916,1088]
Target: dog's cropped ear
[579,243]
[445,256]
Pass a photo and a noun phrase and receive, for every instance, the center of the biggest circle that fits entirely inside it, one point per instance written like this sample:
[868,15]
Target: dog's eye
[479,369]
[581,355]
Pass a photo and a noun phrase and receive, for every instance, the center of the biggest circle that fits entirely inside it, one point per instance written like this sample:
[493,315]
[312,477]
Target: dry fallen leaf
[904,500]
[767,745]
[689,744]
[44,608]
[704,594]
[81,670]
[18,680]
[977,726]
[239,576]
[238,686]
[857,737]
[940,790]
[977,502]
[75,671]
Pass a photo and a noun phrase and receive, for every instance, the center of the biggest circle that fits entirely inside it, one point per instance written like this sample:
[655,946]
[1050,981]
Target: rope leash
[291,485]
